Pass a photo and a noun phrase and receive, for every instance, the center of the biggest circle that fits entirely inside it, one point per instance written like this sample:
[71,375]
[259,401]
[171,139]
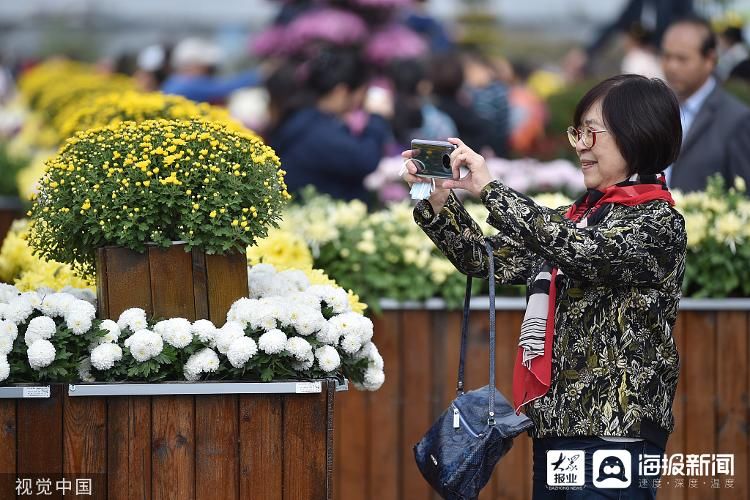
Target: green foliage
[10,165]
[718,229]
[156,181]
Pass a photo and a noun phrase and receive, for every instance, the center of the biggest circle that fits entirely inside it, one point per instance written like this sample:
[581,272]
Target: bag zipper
[458,419]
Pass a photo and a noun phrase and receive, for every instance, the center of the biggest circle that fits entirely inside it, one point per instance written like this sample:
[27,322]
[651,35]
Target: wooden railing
[375,432]
[228,446]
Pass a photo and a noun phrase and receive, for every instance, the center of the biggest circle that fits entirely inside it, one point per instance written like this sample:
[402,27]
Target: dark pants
[636,490]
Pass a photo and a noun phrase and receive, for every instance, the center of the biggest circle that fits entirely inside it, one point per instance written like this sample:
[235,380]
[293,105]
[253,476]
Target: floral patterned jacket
[615,363]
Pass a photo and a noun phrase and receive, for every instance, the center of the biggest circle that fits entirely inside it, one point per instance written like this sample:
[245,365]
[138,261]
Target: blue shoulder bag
[457,455]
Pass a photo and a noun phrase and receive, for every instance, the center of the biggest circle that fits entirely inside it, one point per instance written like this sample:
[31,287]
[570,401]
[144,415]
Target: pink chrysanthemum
[394,42]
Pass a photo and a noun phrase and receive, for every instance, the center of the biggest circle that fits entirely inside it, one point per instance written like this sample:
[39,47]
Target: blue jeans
[589,445]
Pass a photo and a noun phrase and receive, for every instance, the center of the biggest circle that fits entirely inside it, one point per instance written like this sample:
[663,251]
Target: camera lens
[447,162]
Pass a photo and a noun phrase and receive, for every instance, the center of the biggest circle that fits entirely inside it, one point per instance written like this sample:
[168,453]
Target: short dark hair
[333,66]
[446,73]
[708,44]
[643,117]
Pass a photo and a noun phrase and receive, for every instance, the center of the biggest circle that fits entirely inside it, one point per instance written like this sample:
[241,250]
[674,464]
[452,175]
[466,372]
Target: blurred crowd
[337,86]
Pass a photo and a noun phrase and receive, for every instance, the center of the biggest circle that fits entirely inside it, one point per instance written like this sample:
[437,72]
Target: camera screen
[432,158]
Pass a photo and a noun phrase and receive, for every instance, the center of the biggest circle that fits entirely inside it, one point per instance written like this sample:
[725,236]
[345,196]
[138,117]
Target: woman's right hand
[439,196]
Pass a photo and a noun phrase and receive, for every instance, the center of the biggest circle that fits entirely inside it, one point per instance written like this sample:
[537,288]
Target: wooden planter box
[169,282]
[275,445]
[10,210]
[420,346]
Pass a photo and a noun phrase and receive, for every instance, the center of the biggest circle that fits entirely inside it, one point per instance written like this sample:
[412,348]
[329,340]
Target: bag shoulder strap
[465,334]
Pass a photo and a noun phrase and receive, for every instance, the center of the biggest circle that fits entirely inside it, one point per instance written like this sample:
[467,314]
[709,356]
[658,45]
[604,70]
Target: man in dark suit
[715,125]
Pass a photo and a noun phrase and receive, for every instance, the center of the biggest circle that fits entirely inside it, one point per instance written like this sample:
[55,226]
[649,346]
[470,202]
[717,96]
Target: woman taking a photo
[597,365]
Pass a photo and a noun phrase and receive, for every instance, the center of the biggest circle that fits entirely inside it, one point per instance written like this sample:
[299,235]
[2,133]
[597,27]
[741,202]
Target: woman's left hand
[478,176]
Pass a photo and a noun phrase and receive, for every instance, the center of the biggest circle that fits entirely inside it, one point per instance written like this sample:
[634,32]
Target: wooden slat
[700,370]
[261,458]
[173,448]
[227,282]
[8,437]
[385,459]
[517,463]
[477,368]
[447,335]
[415,361]
[171,276]
[731,385]
[200,281]
[216,450]
[305,458]
[352,426]
[128,282]
[85,441]
[102,284]
[41,419]
[129,448]
[118,448]
[676,442]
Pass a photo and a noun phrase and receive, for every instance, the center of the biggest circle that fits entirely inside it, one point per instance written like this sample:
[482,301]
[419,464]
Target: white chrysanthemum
[80,308]
[307,320]
[84,371]
[78,322]
[113,331]
[18,310]
[3,308]
[272,342]
[133,319]
[40,327]
[271,285]
[264,316]
[41,354]
[259,269]
[6,344]
[203,361]
[241,350]
[34,299]
[7,293]
[105,356]
[351,323]
[297,278]
[144,345]
[305,363]
[328,358]
[56,304]
[204,330]
[8,328]
[228,334]
[305,299]
[299,348]
[351,343]
[334,297]
[373,379]
[4,368]
[328,335]
[176,332]
[371,353]
[242,310]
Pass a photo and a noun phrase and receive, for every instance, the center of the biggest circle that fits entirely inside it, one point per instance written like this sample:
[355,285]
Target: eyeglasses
[587,134]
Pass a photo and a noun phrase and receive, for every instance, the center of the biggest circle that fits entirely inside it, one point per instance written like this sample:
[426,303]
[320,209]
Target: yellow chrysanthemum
[282,249]
[27,272]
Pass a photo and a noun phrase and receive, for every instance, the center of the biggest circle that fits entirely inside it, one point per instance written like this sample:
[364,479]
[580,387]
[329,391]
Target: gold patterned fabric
[615,364]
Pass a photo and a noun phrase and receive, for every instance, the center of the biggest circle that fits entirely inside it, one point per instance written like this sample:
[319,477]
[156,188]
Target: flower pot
[210,441]
[10,210]
[169,282]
